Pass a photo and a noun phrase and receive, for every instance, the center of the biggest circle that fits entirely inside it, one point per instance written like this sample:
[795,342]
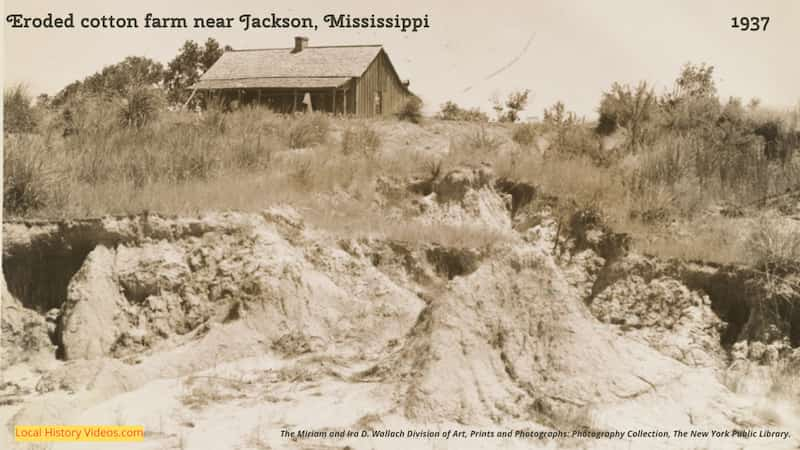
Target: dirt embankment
[556,325]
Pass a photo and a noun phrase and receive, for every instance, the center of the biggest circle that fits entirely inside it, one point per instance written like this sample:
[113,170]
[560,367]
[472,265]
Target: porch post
[355,98]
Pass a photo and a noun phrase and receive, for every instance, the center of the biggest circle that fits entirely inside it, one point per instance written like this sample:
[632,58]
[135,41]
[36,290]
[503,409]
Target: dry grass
[362,140]
[525,134]
[479,143]
[785,382]
[772,243]
[308,130]
[352,221]
[779,405]
[19,116]
[30,180]
[250,173]
[252,158]
[717,240]
[203,391]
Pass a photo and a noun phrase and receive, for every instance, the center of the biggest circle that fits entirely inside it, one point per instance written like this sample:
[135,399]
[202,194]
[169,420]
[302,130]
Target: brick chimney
[300,43]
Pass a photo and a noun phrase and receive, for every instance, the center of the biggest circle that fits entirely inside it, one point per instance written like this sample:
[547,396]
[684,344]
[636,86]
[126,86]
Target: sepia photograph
[362,225]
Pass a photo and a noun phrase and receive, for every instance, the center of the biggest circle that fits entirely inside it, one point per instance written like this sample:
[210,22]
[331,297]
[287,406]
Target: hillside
[391,276]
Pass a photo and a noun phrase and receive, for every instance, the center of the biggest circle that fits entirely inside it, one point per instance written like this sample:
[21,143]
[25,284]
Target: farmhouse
[353,79]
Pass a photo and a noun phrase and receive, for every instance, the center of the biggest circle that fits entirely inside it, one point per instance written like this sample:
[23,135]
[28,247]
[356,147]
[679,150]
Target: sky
[562,50]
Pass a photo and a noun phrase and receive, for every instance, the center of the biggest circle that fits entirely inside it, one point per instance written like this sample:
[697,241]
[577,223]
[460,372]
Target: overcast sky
[579,47]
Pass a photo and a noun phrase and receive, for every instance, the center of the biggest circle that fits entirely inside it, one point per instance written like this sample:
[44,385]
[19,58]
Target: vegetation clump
[308,130]
[361,140]
[19,115]
[451,111]
[524,134]
[140,107]
[648,160]
[411,110]
[514,104]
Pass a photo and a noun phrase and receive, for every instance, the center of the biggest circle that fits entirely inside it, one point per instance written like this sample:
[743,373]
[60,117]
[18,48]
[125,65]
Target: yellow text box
[78,433]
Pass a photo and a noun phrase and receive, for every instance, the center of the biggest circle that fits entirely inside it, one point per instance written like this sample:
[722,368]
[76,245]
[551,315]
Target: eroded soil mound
[155,284]
[754,304]
[556,326]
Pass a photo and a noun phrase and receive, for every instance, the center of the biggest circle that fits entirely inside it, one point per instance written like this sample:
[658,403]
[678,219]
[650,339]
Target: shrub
[140,107]
[693,104]
[308,130]
[192,164]
[773,244]
[663,165]
[302,172]
[18,114]
[28,184]
[249,154]
[558,120]
[482,140]
[87,114]
[738,162]
[675,169]
[606,123]
[570,135]
[213,117]
[632,108]
[513,106]
[524,134]
[780,141]
[411,111]
[654,205]
[479,145]
[361,139]
[580,140]
[141,169]
[451,111]
[256,119]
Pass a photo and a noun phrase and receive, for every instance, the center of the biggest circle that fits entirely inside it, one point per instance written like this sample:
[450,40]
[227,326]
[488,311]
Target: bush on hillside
[606,123]
[479,145]
[28,183]
[213,116]
[780,141]
[140,107]
[632,108]
[451,111]
[772,244]
[19,115]
[361,140]
[514,104]
[308,130]
[84,114]
[570,136]
[411,111]
[524,134]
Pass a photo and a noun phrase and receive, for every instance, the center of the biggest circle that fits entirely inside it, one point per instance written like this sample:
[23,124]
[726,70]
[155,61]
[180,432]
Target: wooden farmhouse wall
[381,78]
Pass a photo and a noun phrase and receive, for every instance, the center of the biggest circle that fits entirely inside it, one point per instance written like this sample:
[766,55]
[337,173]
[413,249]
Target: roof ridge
[310,47]
[286,76]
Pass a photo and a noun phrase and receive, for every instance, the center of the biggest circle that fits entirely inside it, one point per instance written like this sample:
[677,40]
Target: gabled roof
[274,82]
[314,64]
